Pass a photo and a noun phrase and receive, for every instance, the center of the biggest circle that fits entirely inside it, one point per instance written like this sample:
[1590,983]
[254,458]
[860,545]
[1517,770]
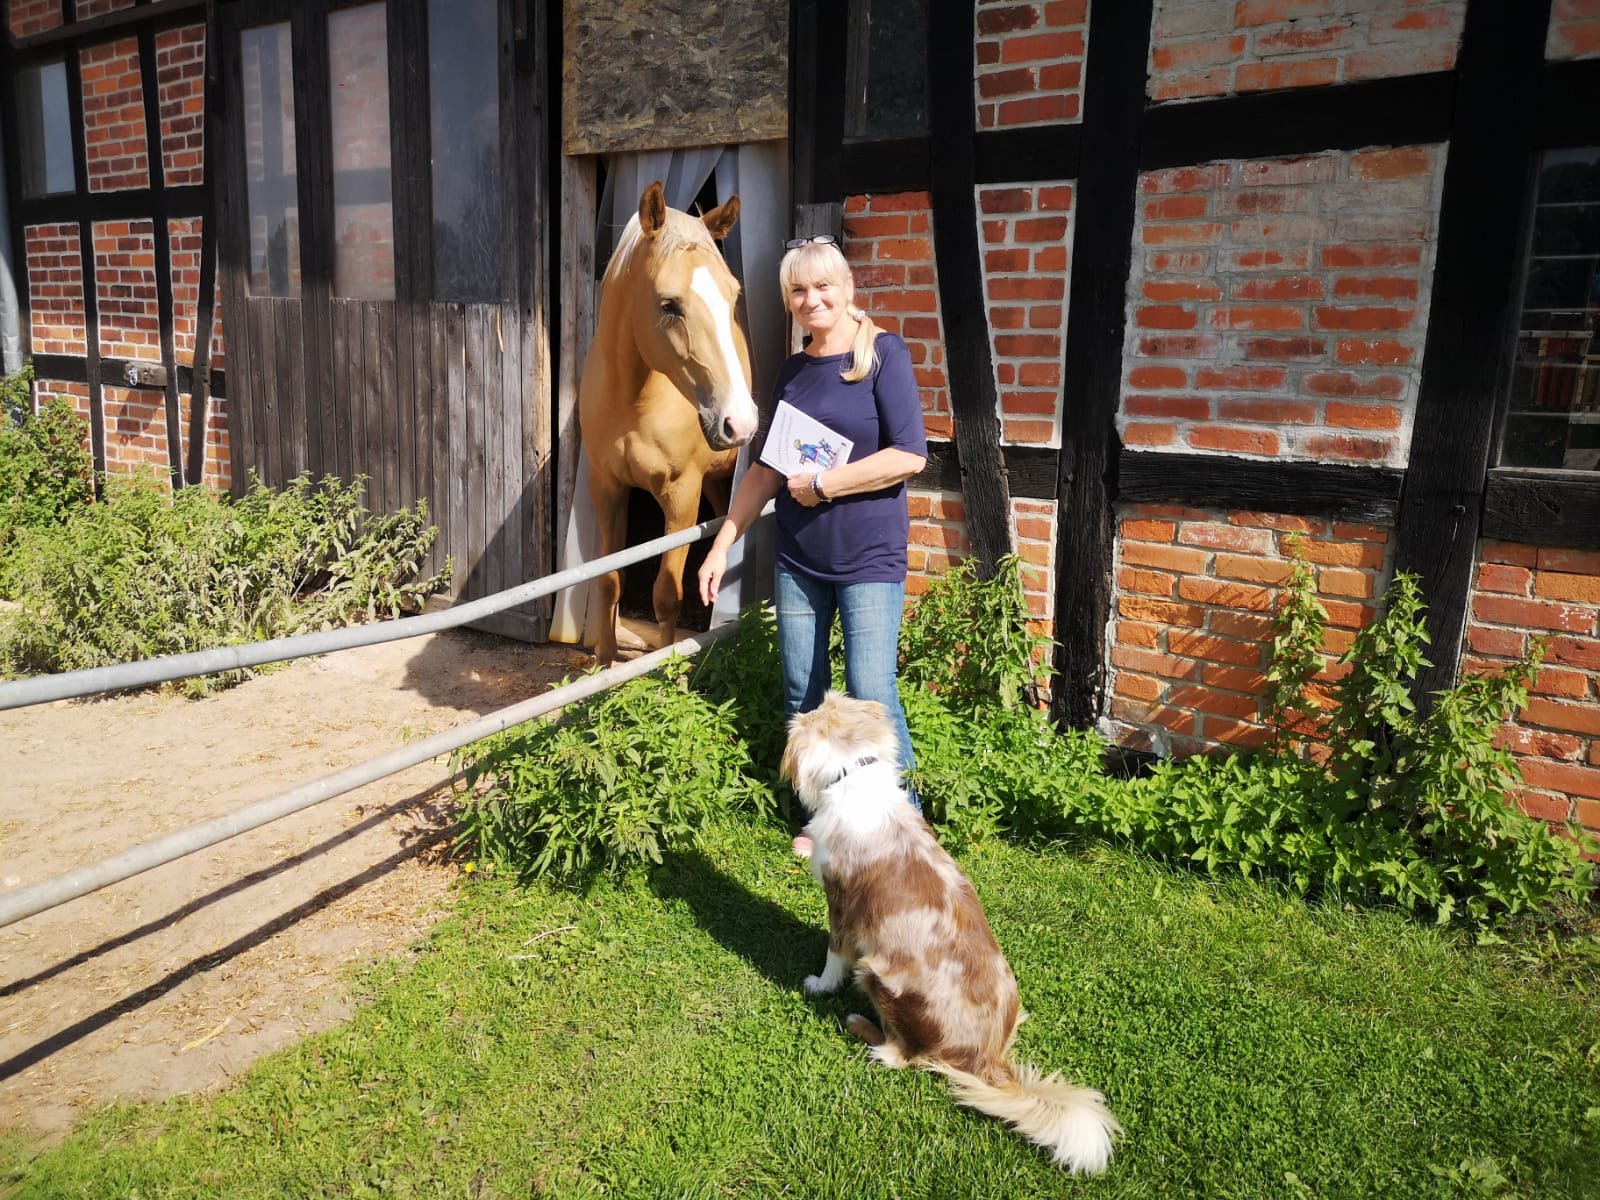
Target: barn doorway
[383,264]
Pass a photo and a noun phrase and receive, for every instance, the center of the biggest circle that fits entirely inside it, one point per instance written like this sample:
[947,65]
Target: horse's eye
[672,308]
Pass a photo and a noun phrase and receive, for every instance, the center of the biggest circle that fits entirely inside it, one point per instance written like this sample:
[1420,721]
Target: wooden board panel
[658,75]
[456,463]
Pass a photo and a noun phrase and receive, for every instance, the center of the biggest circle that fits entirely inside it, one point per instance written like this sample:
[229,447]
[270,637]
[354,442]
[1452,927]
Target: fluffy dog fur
[902,914]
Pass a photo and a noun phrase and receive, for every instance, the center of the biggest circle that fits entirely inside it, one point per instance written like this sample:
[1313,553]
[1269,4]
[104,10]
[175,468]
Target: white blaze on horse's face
[735,418]
[704,354]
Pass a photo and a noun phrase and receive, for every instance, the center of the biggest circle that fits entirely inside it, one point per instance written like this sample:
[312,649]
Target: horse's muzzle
[730,427]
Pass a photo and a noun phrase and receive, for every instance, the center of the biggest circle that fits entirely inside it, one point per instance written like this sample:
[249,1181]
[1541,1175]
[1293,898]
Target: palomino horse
[665,398]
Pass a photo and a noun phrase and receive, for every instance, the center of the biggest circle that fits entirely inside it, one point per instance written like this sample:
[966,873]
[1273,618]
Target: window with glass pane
[44,130]
[363,194]
[886,69]
[1553,419]
[464,101]
[271,194]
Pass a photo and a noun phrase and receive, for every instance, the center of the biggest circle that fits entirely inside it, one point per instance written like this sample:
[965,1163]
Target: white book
[796,442]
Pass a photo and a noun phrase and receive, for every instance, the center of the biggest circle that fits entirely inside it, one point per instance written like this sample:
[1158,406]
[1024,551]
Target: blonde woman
[842,531]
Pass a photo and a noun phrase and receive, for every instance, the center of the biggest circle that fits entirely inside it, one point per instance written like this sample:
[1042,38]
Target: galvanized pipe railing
[62,888]
[39,689]
[58,890]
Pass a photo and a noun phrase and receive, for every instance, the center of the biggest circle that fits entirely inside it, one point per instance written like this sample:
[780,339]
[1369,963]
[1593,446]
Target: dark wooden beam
[1569,104]
[91,298]
[968,363]
[1102,255]
[1306,489]
[821,35]
[132,204]
[1030,470]
[160,12]
[1472,315]
[161,241]
[1029,155]
[1547,508]
[1405,111]
[114,372]
[201,385]
[889,165]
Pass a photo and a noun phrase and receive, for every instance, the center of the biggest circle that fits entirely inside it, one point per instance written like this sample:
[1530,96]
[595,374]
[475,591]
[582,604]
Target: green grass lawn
[649,1038]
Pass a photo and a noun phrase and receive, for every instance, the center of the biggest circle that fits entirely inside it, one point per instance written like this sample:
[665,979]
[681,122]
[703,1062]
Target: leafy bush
[148,573]
[1405,810]
[614,780]
[742,675]
[968,638]
[46,475]
[16,396]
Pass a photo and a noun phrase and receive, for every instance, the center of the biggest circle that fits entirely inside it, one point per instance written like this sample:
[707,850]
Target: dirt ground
[175,980]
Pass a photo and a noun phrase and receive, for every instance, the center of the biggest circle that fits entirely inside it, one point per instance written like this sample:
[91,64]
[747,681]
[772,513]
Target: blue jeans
[869,614]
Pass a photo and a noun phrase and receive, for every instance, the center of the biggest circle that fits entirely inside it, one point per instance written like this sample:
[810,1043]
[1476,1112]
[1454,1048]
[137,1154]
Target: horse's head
[683,315]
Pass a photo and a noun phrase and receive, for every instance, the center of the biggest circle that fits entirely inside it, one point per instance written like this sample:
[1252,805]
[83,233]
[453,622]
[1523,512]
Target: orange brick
[1229,595]
[1247,735]
[1504,643]
[1252,569]
[1568,718]
[1544,806]
[1214,649]
[1145,530]
[1339,581]
[1570,778]
[1160,612]
[1138,687]
[1577,562]
[1532,614]
[1250,627]
[1150,662]
[1208,700]
[1165,558]
[1235,679]
[1540,743]
[1137,633]
[1148,583]
[1499,577]
[1235,441]
[1553,585]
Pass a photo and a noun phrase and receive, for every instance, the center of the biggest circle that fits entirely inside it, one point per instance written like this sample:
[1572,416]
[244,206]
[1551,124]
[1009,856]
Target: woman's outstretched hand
[711,570]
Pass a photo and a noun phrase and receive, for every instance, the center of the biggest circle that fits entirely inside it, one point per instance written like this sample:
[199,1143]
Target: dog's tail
[1072,1123]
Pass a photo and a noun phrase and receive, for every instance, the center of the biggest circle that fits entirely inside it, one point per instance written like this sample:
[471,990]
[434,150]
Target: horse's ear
[720,220]
[652,210]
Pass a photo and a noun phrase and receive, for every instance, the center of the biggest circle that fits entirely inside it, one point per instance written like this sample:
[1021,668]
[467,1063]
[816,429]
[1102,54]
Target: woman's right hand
[711,570]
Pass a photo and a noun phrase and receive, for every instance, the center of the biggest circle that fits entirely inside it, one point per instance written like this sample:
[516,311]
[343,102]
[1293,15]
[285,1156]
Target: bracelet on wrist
[816,486]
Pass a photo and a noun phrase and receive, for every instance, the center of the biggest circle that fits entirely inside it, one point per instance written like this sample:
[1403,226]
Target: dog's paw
[816,985]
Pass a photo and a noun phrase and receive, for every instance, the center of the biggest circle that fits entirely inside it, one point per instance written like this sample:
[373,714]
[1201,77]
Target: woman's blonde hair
[818,261]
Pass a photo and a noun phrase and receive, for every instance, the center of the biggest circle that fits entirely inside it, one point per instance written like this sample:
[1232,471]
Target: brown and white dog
[902,914]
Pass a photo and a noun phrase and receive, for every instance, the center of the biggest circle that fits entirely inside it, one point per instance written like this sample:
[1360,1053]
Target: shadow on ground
[764,934]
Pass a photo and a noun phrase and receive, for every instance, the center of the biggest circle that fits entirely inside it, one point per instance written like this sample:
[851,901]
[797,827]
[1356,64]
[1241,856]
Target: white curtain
[759,174]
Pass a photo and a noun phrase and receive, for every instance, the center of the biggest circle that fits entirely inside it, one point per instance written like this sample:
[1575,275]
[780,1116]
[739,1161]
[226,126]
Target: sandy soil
[176,979]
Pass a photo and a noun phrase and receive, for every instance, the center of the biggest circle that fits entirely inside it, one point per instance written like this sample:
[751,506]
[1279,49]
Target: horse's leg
[718,492]
[610,500]
[680,505]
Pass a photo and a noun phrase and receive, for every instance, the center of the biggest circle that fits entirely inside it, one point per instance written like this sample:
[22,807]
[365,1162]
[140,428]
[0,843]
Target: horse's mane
[681,232]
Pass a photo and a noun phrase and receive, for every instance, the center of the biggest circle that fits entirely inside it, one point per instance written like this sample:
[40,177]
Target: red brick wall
[55,289]
[939,541]
[1025,232]
[27,17]
[113,116]
[1029,68]
[1522,592]
[1278,309]
[180,70]
[1574,30]
[888,241]
[1192,624]
[1220,47]
[118,158]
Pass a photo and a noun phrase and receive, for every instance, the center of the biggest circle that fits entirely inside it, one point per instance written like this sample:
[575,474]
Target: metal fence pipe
[71,684]
[53,892]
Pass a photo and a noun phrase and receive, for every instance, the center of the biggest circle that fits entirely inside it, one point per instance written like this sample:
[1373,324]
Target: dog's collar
[850,769]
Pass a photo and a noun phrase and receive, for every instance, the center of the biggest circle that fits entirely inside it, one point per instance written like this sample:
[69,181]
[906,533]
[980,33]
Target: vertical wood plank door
[384,223]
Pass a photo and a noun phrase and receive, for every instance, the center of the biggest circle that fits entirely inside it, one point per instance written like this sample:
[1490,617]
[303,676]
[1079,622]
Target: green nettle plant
[967,638]
[46,474]
[147,572]
[1414,811]
[16,396]
[614,780]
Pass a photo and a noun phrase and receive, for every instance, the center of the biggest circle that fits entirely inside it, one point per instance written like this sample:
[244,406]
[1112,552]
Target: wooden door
[384,221]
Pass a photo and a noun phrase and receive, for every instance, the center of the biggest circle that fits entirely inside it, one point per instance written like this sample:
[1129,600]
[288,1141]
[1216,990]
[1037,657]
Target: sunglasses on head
[819,239]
